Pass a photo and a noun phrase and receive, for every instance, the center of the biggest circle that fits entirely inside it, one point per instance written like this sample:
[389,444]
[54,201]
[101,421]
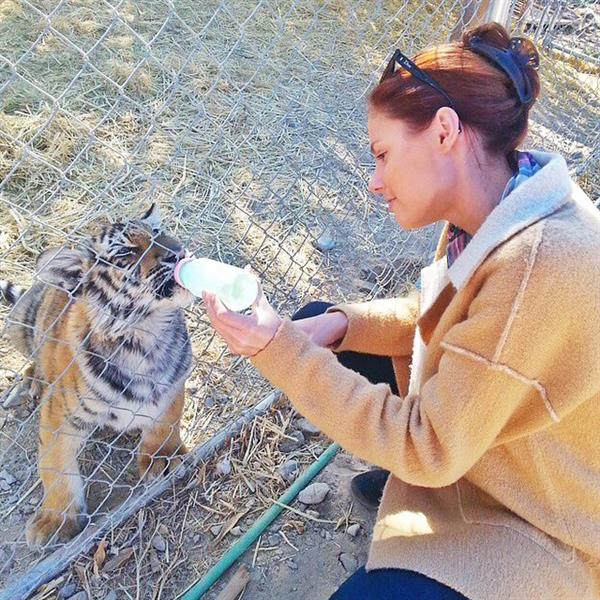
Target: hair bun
[492,34]
[525,52]
[496,35]
[517,57]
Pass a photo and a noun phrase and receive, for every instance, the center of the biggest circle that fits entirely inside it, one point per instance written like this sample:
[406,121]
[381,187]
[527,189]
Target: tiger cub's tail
[9,292]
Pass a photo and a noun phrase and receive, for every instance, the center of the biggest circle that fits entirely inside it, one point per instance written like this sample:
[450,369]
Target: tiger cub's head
[125,270]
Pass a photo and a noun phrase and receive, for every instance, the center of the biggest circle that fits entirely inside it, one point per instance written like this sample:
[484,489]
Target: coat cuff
[283,351]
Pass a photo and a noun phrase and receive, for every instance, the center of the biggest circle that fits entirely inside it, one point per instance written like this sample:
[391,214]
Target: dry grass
[199,519]
[245,121]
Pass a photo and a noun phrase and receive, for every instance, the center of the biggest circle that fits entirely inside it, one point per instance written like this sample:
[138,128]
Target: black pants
[393,584]
[377,369]
[381,584]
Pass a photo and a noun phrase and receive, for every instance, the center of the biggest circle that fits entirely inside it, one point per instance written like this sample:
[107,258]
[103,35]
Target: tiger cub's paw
[153,466]
[53,525]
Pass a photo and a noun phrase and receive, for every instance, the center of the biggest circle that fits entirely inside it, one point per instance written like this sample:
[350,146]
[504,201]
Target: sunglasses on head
[408,65]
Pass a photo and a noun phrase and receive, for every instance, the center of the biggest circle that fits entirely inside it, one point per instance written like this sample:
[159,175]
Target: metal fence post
[500,11]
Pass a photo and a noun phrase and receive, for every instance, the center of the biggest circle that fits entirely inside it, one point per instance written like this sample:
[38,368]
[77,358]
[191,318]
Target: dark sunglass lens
[389,69]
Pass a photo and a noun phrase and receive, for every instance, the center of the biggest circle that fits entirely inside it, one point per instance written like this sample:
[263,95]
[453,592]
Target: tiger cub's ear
[62,267]
[152,217]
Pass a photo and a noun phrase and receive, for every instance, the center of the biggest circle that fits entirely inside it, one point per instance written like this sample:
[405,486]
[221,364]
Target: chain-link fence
[245,122]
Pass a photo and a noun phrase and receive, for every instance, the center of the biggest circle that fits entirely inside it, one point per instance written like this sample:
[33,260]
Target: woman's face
[413,172]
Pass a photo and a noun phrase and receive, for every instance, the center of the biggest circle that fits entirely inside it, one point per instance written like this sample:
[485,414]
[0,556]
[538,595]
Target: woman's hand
[326,329]
[246,335]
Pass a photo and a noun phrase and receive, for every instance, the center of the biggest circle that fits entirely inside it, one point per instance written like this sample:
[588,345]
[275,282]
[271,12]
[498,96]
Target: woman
[491,433]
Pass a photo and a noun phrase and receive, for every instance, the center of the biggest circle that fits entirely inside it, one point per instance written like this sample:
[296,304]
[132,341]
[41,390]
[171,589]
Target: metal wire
[245,122]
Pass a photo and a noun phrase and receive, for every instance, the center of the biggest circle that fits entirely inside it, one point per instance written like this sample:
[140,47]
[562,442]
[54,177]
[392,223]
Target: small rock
[325,242]
[354,529]
[215,530]
[197,538]
[273,540]
[158,543]
[4,486]
[12,499]
[313,513]
[67,590]
[22,413]
[27,509]
[80,596]
[236,531]
[292,564]
[289,470]
[7,477]
[223,467]
[291,122]
[155,564]
[314,493]
[13,397]
[112,595]
[577,155]
[33,501]
[289,445]
[307,427]
[6,558]
[349,562]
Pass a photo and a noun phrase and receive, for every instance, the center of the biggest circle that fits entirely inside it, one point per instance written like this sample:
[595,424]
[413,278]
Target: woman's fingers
[228,326]
[243,334]
[219,312]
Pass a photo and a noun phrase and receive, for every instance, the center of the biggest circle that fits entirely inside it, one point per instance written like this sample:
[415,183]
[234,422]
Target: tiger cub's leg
[161,443]
[62,514]
[26,386]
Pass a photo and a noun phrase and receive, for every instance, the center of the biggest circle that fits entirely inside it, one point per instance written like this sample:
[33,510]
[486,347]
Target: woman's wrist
[340,326]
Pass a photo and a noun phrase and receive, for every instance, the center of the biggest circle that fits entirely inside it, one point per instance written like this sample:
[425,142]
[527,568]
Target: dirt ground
[289,167]
[313,562]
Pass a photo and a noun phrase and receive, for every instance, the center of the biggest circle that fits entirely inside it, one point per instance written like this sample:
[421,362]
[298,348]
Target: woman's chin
[410,224]
[406,223]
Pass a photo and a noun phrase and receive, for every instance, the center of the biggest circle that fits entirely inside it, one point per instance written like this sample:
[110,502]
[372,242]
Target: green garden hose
[215,573]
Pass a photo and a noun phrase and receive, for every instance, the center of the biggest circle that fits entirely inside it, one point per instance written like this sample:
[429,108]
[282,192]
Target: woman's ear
[447,127]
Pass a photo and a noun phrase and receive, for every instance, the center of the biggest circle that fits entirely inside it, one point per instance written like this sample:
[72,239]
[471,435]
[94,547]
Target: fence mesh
[245,122]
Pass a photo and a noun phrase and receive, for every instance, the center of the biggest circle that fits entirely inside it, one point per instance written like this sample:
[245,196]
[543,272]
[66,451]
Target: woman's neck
[479,191]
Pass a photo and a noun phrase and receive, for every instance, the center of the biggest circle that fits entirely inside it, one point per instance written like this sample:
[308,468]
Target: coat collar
[539,196]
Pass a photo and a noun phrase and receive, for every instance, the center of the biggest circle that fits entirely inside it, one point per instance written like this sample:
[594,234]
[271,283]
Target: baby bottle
[236,288]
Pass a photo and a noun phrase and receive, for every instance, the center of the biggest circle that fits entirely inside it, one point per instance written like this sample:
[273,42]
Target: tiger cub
[105,329]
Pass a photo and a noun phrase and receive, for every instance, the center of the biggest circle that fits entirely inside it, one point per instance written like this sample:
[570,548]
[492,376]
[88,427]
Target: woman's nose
[375,184]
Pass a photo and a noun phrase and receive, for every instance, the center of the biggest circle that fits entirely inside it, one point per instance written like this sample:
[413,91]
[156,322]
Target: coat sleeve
[385,327]
[480,393]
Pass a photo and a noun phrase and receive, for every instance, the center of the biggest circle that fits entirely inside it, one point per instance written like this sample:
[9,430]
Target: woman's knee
[312,309]
[393,584]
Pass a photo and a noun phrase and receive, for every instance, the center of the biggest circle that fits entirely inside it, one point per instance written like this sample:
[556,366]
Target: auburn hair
[484,96]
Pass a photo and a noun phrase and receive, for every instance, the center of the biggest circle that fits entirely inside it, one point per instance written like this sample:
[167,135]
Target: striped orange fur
[105,330]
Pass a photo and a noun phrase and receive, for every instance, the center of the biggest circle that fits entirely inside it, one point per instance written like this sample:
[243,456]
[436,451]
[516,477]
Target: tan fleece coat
[495,452]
